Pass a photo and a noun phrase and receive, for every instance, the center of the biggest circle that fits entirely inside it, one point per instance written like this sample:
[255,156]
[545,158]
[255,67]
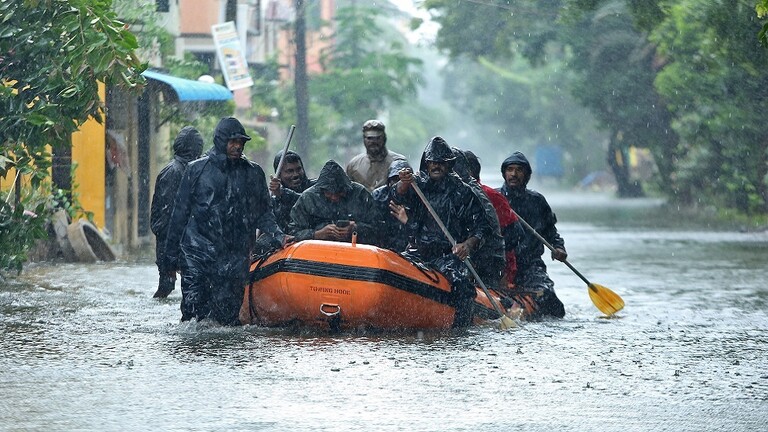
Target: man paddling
[532,207]
[460,211]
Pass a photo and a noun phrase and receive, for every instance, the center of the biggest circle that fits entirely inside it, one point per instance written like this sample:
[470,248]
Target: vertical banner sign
[231,56]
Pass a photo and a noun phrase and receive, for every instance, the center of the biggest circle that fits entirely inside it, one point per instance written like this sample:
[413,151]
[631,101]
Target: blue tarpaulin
[549,161]
[186,90]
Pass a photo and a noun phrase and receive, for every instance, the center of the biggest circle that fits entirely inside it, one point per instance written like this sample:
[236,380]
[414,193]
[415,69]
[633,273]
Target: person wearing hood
[187,147]
[390,224]
[370,168]
[489,259]
[461,212]
[287,185]
[511,229]
[333,209]
[532,207]
[222,201]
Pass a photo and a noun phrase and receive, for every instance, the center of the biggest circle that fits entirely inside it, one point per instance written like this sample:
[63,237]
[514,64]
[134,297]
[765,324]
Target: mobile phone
[342,223]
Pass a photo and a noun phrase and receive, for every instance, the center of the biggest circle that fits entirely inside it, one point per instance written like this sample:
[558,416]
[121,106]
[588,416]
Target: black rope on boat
[259,259]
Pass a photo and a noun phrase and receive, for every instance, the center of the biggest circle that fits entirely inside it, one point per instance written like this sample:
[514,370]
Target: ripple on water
[85,347]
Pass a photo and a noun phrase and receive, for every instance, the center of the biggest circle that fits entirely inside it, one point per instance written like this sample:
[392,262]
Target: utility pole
[300,81]
[230,11]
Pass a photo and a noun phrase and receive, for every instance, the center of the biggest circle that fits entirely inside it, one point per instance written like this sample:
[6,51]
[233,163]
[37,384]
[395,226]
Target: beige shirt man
[372,167]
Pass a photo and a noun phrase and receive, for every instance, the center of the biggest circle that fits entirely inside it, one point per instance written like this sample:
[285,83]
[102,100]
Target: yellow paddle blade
[507,323]
[604,299]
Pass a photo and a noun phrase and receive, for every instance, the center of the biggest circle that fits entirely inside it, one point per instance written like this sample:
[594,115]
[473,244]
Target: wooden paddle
[506,321]
[285,150]
[604,299]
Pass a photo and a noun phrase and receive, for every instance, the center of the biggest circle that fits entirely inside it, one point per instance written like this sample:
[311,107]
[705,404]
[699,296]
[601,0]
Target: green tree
[617,66]
[714,79]
[147,24]
[762,12]
[52,53]
[366,71]
[607,60]
[524,107]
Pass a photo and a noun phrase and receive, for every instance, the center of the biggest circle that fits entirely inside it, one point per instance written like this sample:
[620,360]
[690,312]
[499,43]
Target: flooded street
[85,347]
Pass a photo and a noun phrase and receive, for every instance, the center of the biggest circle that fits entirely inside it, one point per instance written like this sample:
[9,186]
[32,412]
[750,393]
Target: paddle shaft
[453,243]
[285,150]
[549,246]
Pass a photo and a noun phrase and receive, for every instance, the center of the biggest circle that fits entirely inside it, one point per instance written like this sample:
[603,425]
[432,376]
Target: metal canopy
[186,90]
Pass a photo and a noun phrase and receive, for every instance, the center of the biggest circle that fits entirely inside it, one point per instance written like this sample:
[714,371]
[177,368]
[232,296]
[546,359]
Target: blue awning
[186,90]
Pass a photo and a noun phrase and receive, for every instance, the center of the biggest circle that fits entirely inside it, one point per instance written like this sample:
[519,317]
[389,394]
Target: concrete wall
[88,152]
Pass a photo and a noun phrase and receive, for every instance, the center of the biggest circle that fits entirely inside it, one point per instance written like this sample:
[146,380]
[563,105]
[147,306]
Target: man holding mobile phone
[333,209]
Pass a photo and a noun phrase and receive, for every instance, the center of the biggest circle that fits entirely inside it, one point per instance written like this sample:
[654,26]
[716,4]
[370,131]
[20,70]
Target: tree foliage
[715,83]
[52,53]
[683,78]
[606,59]
[762,12]
[523,108]
[365,71]
[615,74]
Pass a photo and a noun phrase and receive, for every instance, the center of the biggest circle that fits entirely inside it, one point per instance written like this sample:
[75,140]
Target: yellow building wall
[88,152]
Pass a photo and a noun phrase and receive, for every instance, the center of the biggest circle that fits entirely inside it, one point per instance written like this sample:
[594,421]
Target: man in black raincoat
[333,209]
[511,229]
[222,201]
[463,215]
[489,259]
[390,223]
[532,207]
[187,147]
[287,185]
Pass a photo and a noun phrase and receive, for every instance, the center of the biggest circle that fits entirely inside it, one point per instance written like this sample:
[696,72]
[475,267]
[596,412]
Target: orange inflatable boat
[341,286]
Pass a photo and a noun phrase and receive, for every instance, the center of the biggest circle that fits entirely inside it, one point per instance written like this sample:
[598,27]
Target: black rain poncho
[532,207]
[391,233]
[187,147]
[456,204]
[313,211]
[217,211]
[489,260]
[463,215]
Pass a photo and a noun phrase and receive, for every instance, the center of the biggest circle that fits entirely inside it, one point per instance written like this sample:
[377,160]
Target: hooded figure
[333,209]
[518,158]
[221,203]
[489,259]
[187,147]
[391,232]
[533,208]
[461,212]
[437,150]
[511,228]
[290,183]
[370,168]
[394,170]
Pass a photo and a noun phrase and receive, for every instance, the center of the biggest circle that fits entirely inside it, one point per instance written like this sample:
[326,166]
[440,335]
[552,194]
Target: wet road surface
[85,347]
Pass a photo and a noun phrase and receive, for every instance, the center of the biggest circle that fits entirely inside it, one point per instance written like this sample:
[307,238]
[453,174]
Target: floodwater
[85,347]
